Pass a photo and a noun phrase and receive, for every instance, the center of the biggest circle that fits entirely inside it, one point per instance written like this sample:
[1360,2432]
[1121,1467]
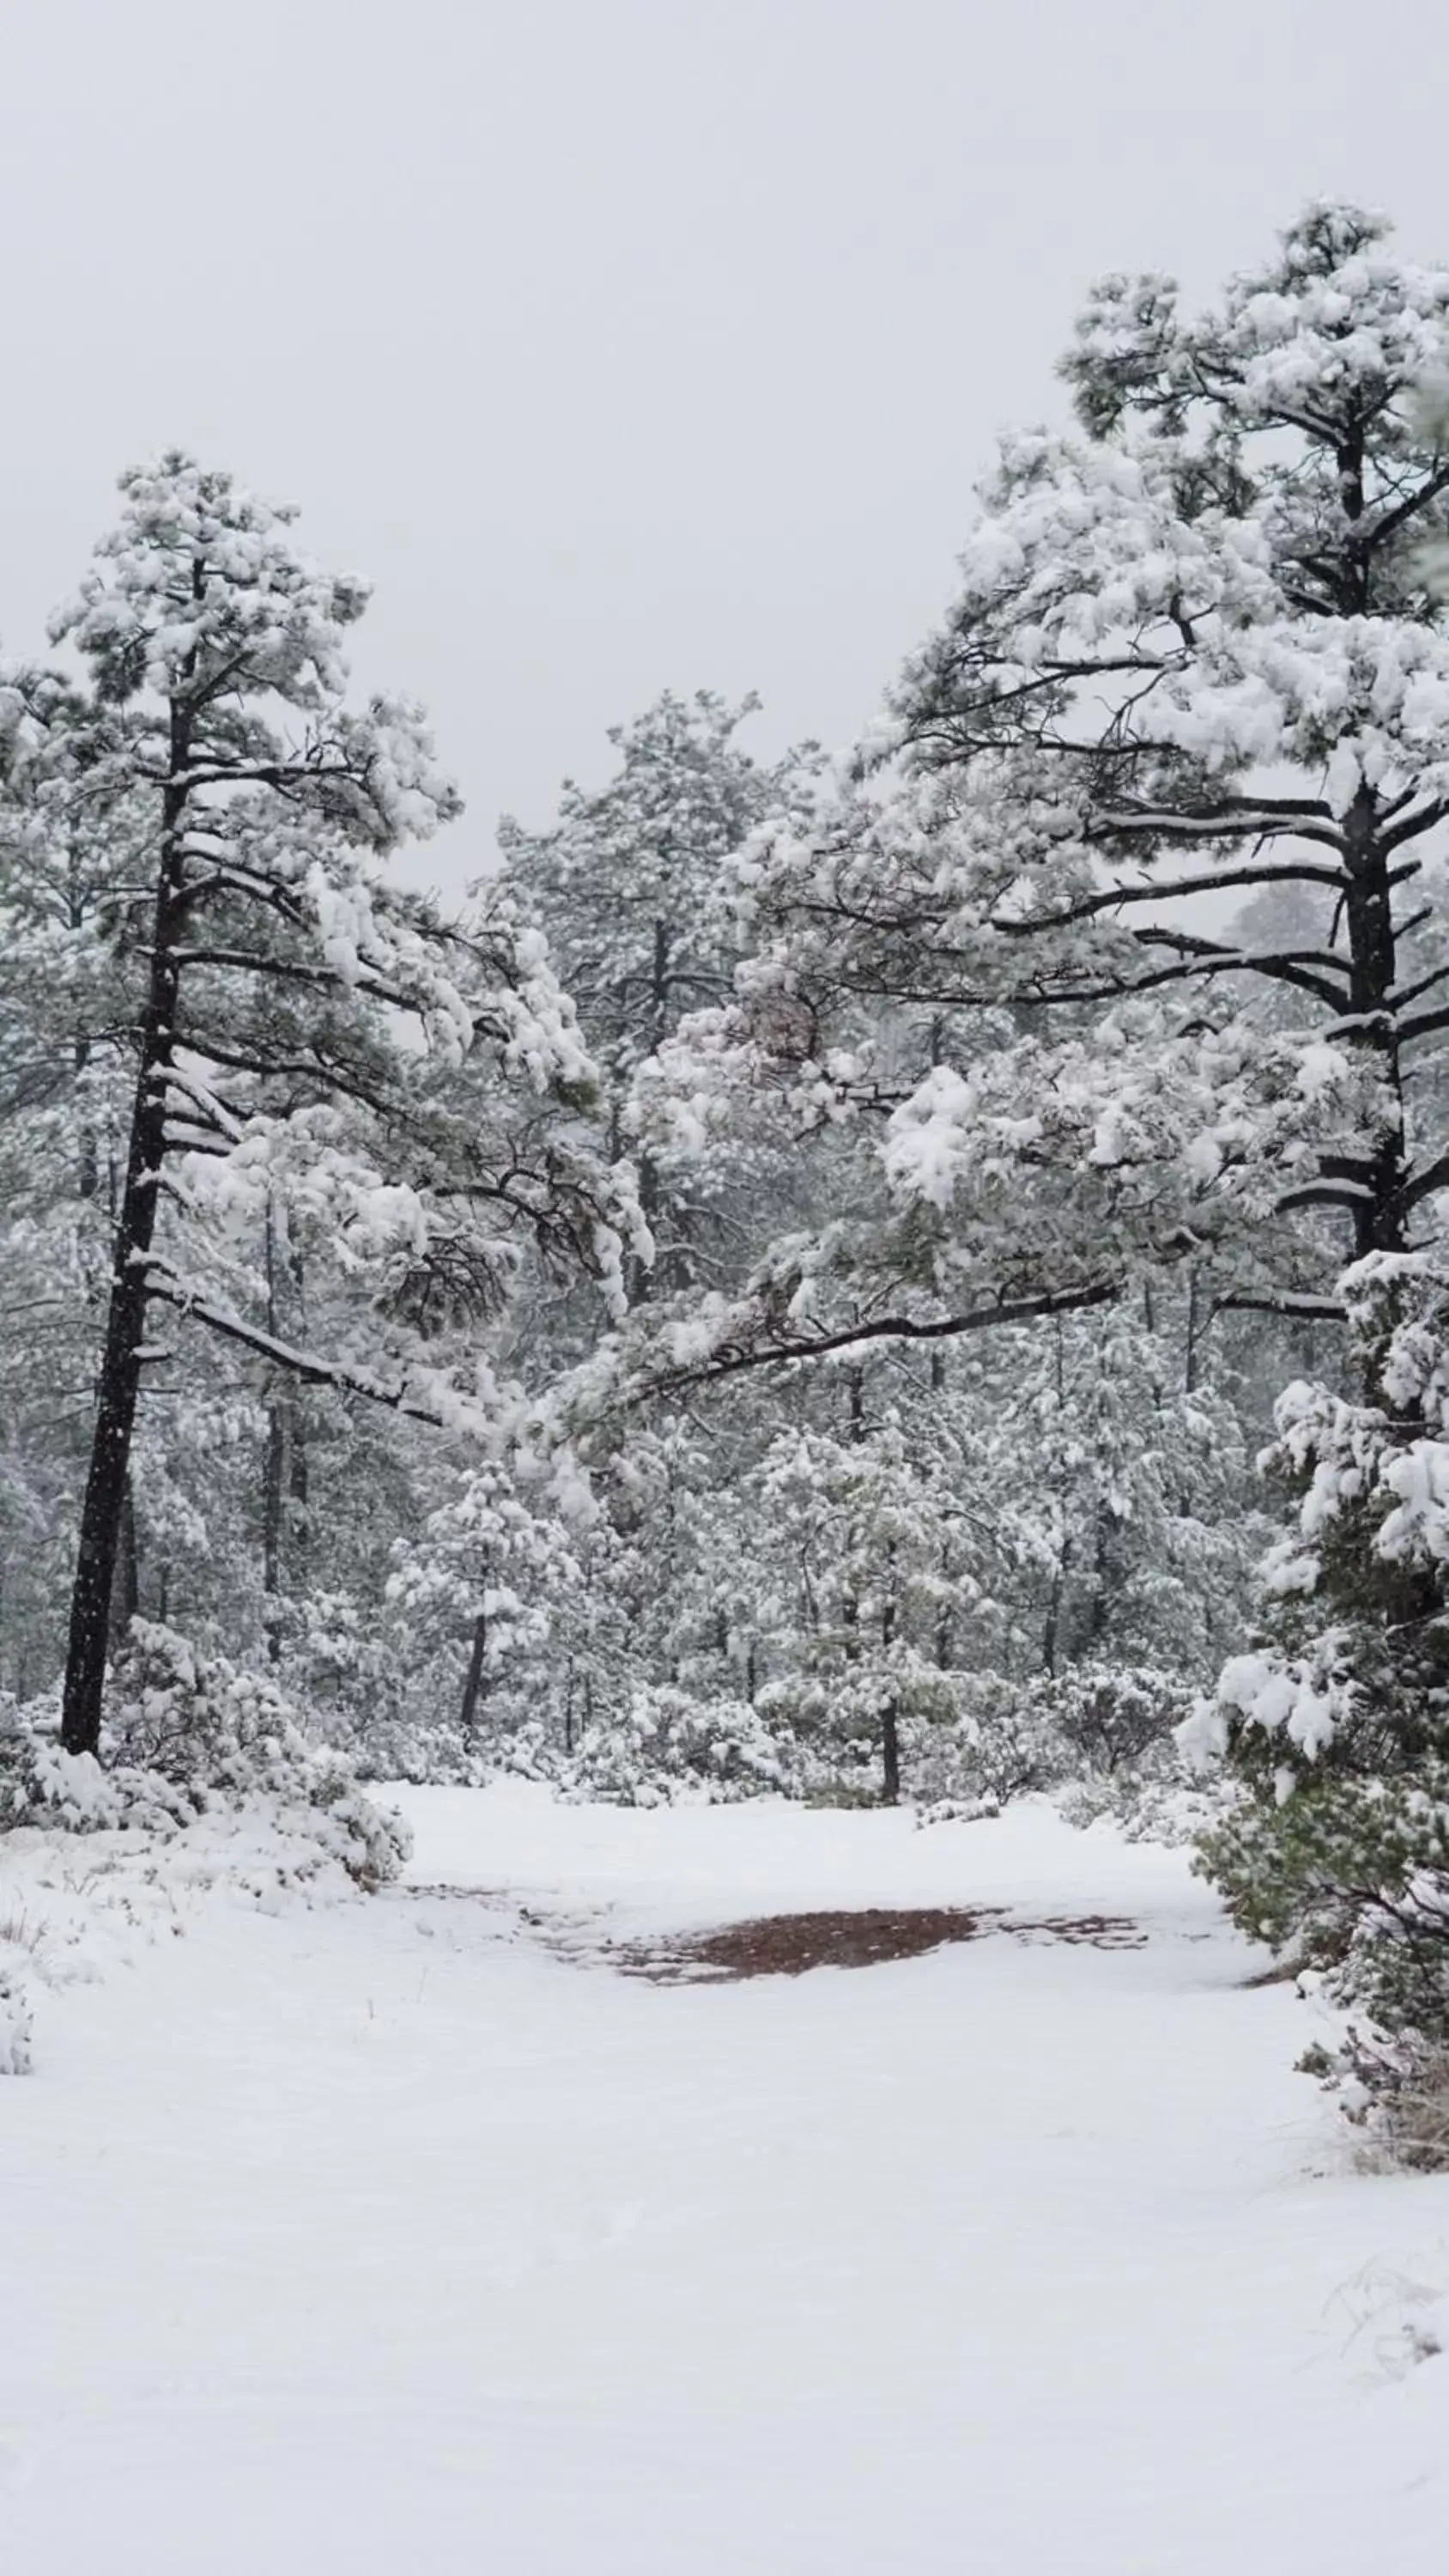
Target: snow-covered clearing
[404,2233]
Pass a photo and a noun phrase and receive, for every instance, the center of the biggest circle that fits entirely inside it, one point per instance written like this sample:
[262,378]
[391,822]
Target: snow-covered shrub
[959,1811]
[219,1731]
[1118,1718]
[1336,1725]
[15,2020]
[42,1784]
[14,2017]
[1396,2090]
[1002,1743]
[1147,1807]
[1395,2071]
[974,1741]
[187,1734]
[1118,1726]
[665,1745]
[1101,1739]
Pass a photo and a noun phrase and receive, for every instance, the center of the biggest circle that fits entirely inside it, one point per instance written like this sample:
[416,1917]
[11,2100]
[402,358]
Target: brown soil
[785,1945]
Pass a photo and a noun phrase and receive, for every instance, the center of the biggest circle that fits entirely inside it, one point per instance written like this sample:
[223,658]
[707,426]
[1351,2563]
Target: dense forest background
[787,1285]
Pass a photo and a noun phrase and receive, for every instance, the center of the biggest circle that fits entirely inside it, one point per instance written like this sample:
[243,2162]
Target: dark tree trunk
[1100,1592]
[890,1724]
[1380,1214]
[659,987]
[1379,1218]
[299,1527]
[274,1460]
[297,1480]
[642,1279]
[641,1282]
[88,1171]
[1192,1353]
[890,1755]
[855,1382]
[120,1372]
[1051,1643]
[88,1175]
[473,1686]
[1052,1635]
[126,1591]
[120,1378]
[274,1466]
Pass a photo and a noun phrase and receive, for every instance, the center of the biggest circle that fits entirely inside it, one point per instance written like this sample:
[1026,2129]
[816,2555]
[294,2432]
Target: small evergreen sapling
[1336,1723]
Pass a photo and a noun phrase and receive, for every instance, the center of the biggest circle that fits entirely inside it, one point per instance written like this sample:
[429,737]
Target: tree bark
[299,1531]
[641,1282]
[273,1497]
[1191,1356]
[473,1686]
[1379,1217]
[126,1592]
[1056,1603]
[890,1723]
[274,1464]
[890,1755]
[120,1371]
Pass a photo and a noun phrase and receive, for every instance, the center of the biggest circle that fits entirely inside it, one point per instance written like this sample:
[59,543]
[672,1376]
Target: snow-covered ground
[405,2234]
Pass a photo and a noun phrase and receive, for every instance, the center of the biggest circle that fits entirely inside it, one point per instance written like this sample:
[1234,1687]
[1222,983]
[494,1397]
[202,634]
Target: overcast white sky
[630,343]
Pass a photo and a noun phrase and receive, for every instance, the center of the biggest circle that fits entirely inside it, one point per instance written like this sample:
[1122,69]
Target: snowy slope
[386,2235]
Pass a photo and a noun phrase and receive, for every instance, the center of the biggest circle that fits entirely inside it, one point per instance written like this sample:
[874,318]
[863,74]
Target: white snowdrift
[380,2235]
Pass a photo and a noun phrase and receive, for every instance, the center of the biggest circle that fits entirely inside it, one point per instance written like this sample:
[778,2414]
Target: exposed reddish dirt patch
[785,1945]
[781,1945]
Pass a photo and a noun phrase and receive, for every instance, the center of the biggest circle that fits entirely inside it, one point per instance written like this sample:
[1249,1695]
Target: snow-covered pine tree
[1335,1722]
[66,861]
[476,1591]
[872,1543]
[1199,656]
[298,1032]
[1199,651]
[631,885]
